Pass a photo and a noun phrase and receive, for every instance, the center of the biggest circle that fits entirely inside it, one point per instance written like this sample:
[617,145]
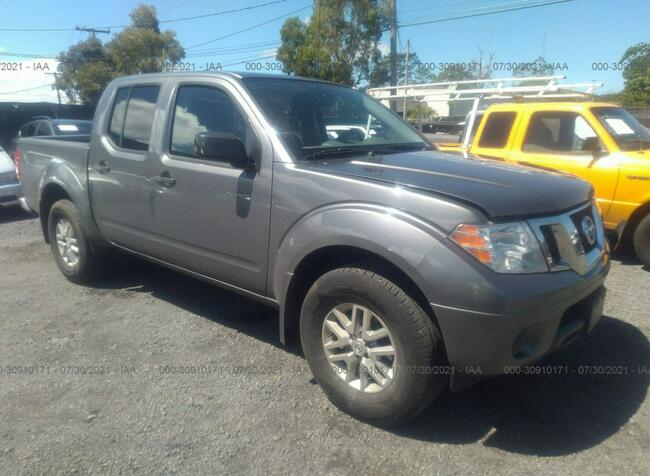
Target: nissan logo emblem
[589,230]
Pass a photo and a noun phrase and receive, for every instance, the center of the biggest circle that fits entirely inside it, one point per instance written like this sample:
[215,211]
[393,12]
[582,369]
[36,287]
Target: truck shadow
[13,213]
[602,383]
[226,308]
[626,256]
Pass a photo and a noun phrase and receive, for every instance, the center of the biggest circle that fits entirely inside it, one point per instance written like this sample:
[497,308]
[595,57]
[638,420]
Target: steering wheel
[351,136]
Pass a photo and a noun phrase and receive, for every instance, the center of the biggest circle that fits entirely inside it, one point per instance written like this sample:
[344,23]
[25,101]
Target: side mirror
[222,147]
[592,144]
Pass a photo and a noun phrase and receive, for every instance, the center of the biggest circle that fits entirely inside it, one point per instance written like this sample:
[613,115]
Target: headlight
[504,247]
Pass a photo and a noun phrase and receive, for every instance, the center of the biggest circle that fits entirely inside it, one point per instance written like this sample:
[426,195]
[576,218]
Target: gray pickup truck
[402,269]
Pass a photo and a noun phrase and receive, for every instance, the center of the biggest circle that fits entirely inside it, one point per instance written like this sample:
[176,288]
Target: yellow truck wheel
[641,240]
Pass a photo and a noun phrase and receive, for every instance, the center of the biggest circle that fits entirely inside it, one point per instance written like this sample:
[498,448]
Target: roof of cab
[222,74]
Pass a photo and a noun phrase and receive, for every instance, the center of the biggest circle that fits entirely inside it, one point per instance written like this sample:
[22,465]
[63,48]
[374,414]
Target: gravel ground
[91,383]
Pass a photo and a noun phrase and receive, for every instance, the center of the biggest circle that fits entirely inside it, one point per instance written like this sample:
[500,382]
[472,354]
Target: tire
[641,240]
[89,265]
[418,347]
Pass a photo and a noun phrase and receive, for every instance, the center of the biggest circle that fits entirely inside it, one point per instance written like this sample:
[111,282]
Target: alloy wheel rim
[66,242]
[359,347]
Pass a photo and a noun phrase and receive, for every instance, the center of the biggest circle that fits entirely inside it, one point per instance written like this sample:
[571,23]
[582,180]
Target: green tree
[142,47]
[87,67]
[538,67]
[419,111]
[339,43]
[636,72]
[84,71]
[417,72]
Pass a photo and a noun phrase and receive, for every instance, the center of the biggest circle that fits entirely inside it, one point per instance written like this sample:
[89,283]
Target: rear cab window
[132,117]
[496,130]
[494,135]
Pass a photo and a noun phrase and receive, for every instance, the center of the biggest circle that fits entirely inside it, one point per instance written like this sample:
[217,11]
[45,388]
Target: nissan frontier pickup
[403,270]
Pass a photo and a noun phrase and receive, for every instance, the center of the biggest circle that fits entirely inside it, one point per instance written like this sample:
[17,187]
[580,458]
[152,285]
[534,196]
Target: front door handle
[103,167]
[164,180]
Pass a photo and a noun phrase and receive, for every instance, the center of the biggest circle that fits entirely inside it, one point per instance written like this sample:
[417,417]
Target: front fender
[400,238]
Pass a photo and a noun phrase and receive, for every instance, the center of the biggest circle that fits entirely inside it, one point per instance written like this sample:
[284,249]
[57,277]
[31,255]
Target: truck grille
[574,240]
[577,219]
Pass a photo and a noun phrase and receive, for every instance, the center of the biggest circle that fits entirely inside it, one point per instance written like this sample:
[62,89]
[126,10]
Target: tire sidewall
[642,241]
[65,209]
[322,298]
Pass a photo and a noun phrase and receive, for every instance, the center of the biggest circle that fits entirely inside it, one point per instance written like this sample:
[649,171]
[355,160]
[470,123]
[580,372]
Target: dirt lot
[91,382]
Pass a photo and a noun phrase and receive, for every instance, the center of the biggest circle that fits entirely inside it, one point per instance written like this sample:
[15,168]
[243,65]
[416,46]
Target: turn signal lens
[504,247]
[470,238]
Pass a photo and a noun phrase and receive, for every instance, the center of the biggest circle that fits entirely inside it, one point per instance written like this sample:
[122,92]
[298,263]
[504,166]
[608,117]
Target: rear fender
[58,174]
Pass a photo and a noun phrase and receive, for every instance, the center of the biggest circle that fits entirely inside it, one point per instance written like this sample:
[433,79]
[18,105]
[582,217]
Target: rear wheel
[70,245]
[641,240]
[370,346]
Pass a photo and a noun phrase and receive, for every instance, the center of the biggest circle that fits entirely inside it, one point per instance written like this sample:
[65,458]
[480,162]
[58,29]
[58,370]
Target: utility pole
[406,75]
[58,93]
[92,31]
[393,52]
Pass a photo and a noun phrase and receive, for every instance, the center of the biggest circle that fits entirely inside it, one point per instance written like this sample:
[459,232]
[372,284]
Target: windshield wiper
[336,152]
[394,148]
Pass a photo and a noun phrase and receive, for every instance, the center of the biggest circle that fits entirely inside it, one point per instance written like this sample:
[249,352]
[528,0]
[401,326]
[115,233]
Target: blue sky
[578,33]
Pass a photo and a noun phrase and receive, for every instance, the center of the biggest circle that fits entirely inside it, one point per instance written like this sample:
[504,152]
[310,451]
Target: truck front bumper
[9,192]
[481,344]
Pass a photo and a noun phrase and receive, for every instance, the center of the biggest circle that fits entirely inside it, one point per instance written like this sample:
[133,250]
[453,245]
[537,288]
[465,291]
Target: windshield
[628,133]
[317,120]
[72,128]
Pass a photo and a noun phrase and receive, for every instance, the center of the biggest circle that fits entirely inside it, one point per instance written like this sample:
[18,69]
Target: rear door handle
[103,167]
[165,181]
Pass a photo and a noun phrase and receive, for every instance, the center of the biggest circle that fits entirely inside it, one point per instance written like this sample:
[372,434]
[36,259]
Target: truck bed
[41,156]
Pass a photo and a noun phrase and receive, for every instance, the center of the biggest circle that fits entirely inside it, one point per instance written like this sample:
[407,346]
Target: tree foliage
[636,72]
[417,72]
[87,67]
[339,42]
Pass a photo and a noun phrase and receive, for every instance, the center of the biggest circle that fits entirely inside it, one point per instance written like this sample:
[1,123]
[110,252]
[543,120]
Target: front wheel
[641,240]
[70,245]
[371,347]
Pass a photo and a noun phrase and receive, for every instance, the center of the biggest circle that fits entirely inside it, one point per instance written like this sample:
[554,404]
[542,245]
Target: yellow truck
[601,143]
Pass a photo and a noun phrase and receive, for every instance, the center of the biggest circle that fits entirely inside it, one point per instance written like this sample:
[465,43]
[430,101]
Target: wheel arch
[637,215]
[52,193]
[327,258]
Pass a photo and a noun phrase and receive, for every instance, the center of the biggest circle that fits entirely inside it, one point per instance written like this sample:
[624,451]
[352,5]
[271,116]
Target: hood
[500,190]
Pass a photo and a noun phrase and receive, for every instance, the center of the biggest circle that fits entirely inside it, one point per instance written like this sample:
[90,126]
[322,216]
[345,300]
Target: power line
[248,29]
[26,89]
[171,20]
[226,50]
[251,7]
[471,15]
[479,8]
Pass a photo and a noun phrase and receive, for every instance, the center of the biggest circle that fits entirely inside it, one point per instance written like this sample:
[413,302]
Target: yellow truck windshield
[626,131]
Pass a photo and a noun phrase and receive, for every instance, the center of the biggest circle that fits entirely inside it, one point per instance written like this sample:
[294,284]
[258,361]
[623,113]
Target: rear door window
[117,116]
[28,130]
[43,129]
[132,117]
[497,130]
